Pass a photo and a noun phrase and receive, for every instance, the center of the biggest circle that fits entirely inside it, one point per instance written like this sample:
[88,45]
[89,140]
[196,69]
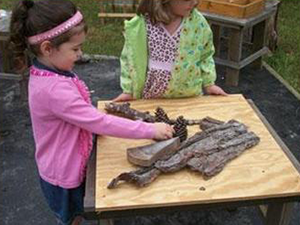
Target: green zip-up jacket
[193,69]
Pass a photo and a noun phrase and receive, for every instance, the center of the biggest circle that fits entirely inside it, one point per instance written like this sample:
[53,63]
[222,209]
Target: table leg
[279,213]
[259,41]
[235,55]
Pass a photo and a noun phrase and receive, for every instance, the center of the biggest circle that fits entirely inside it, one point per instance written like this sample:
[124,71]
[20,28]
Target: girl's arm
[125,79]
[208,69]
[208,65]
[67,104]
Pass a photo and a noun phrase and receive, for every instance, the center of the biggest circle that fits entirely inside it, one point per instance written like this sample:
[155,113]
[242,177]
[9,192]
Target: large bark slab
[211,163]
[207,152]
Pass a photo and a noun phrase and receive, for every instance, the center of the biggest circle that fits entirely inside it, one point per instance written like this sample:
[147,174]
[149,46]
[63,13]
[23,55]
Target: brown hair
[157,10]
[30,18]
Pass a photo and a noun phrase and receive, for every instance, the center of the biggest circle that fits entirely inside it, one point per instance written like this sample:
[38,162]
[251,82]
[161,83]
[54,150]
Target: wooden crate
[233,8]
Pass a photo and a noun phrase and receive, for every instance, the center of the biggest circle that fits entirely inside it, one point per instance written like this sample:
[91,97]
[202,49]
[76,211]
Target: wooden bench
[117,9]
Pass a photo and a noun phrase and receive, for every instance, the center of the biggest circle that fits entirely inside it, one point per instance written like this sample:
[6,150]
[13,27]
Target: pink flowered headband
[56,31]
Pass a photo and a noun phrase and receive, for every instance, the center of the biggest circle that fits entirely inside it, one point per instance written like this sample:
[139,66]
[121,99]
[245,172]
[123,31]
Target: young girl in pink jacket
[62,115]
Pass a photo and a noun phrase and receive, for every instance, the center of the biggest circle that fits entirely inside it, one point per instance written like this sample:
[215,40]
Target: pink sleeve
[67,103]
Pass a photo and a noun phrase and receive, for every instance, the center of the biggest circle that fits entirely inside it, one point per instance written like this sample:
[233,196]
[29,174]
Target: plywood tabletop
[263,171]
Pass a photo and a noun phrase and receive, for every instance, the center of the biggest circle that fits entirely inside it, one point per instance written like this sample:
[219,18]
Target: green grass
[286,59]
[108,39]
[104,39]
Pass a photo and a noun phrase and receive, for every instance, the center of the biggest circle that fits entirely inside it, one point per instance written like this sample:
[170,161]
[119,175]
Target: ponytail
[19,31]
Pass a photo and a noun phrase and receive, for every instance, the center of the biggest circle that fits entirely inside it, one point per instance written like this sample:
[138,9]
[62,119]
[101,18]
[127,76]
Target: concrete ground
[21,201]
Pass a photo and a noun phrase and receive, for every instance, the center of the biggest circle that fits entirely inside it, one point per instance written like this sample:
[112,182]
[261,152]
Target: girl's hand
[214,90]
[123,97]
[163,131]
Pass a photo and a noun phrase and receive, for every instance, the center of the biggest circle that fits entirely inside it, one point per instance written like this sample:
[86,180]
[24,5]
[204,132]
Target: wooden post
[234,54]
[279,213]
[6,56]
[102,10]
[259,41]
[216,29]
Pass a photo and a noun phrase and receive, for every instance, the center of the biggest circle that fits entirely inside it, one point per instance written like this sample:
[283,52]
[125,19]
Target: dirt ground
[21,200]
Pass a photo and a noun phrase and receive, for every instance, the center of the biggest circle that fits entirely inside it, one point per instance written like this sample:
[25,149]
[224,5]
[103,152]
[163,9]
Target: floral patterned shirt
[162,49]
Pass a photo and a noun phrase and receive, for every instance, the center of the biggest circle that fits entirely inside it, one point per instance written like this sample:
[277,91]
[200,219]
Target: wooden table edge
[90,188]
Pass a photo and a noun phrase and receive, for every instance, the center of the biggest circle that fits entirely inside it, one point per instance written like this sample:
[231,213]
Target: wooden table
[236,29]
[266,174]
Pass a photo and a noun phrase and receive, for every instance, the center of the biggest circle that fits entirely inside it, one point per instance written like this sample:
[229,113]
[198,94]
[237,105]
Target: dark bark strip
[124,110]
[140,177]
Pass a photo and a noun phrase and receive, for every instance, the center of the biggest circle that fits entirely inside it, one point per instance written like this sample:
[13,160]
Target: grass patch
[104,39]
[108,39]
[286,59]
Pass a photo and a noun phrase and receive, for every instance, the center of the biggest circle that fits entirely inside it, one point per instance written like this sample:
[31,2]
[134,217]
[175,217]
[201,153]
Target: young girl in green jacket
[168,52]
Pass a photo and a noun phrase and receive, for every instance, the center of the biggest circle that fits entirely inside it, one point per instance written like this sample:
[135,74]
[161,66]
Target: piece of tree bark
[124,110]
[211,163]
[140,177]
[206,152]
[148,154]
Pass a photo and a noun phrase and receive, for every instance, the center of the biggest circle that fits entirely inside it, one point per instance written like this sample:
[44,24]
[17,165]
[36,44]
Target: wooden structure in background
[117,9]
[267,174]
[233,8]
[234,59]
[9,72]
